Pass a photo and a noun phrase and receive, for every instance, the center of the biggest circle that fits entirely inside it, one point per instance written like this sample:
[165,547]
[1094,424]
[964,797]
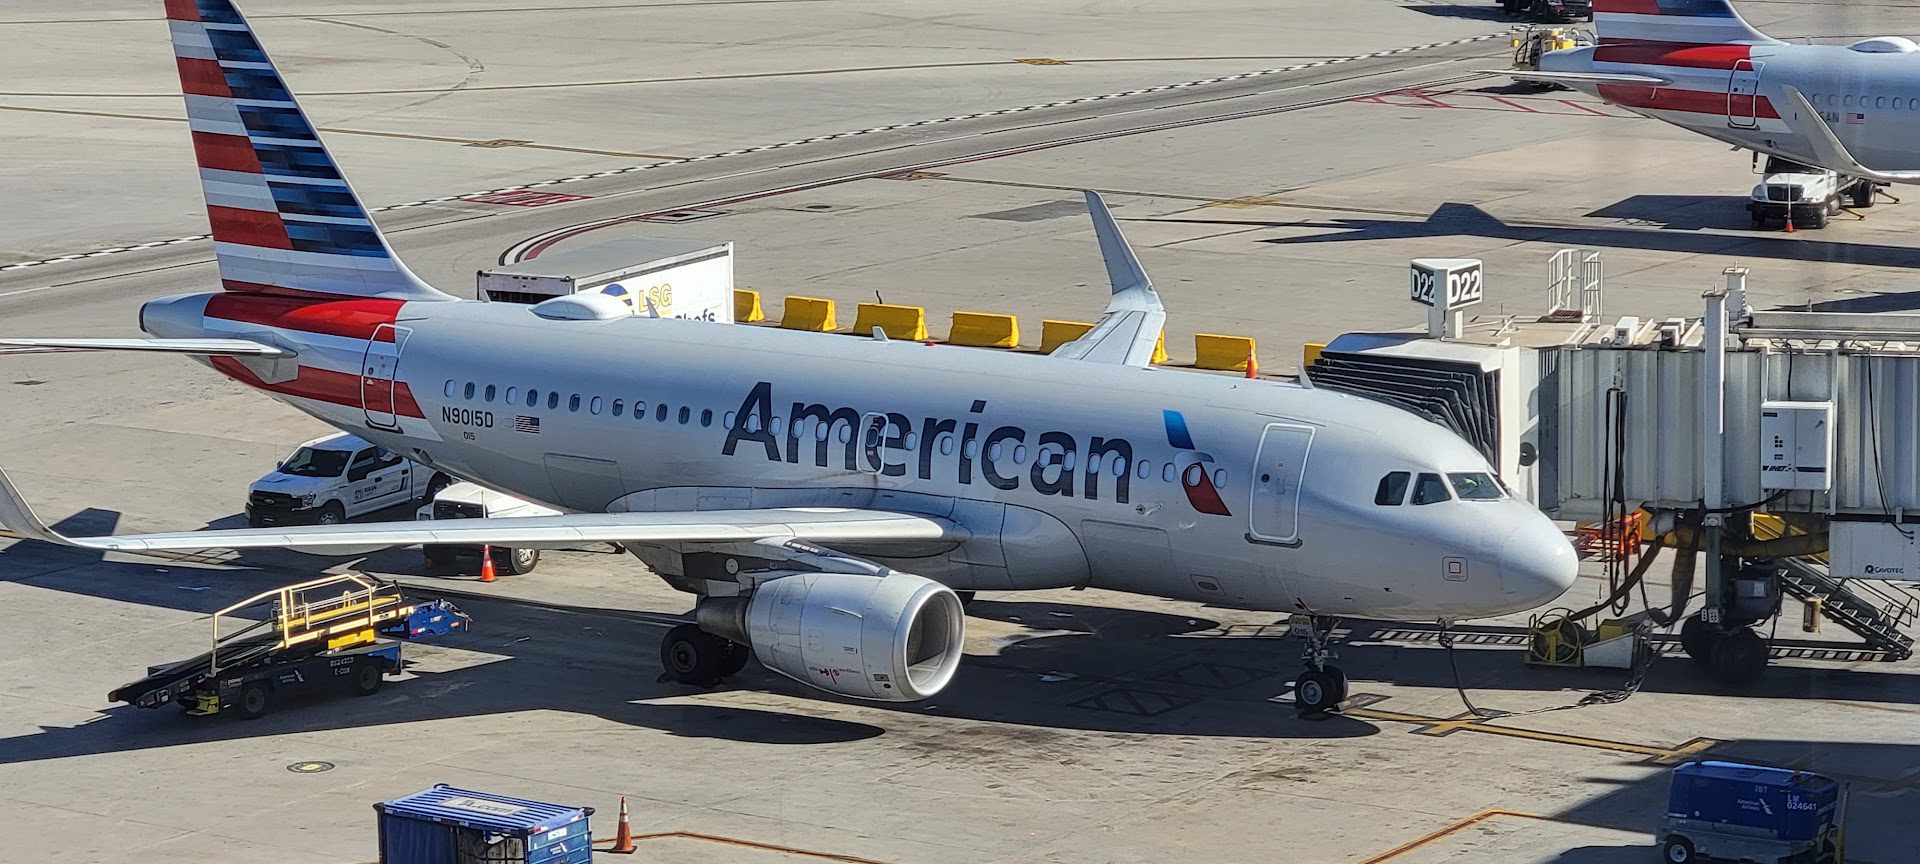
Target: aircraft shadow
[1467,220]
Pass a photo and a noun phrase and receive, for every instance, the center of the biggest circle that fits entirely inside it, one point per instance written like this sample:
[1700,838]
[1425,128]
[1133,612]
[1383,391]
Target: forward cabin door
[378,372]
[1743,96]
[1274,512]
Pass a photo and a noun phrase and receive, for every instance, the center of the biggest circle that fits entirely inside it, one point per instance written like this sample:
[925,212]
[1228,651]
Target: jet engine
[894,636]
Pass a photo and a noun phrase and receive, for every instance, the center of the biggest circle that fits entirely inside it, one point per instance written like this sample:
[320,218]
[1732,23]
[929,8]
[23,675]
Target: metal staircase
[1874,613]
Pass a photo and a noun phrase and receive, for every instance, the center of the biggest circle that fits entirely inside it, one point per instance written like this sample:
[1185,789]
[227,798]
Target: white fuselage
[1243,493]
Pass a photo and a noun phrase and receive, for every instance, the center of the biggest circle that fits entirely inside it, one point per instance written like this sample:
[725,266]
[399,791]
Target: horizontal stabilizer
[1587,78]
[823,525]
[210,347]
[1829,153]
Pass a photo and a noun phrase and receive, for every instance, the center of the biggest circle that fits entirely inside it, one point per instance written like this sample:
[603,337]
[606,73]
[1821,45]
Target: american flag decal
[524,423]
[1856,119]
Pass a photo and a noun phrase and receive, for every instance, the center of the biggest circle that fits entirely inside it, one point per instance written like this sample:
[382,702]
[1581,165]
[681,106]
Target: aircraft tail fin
[285,220]
[1675,22]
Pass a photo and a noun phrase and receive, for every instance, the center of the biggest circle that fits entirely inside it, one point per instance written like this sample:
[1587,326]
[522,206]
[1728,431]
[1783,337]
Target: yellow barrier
[746,307]
[1054,334]
[898,322]
[1311,353]
[985,330]
[1228,353]
[808,313]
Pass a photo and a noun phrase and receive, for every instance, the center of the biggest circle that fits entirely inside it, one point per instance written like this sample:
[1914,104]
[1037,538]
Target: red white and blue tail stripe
[1684,22]
[284,219]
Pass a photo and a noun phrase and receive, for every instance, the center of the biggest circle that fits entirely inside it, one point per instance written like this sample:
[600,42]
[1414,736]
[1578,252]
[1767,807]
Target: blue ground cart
[1725,810]
[444,825]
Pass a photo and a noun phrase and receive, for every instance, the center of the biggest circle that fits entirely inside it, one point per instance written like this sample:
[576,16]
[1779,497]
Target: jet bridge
[1709,424]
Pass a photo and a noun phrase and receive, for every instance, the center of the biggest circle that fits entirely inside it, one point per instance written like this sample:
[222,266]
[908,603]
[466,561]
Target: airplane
[1698,65]
[824,496]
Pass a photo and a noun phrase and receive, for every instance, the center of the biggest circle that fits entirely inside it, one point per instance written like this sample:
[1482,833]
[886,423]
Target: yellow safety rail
[984,330]
[808,313]
[312,610]
[898,322]
[746,307]
[1227,353]
[1310,354]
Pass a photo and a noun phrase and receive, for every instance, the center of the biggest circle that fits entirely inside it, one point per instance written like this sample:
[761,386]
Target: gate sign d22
[1444,286]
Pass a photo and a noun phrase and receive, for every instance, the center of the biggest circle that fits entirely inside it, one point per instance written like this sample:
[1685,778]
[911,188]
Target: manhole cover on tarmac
[310,767]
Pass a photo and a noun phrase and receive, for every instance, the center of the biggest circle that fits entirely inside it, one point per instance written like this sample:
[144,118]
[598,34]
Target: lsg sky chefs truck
[652,276]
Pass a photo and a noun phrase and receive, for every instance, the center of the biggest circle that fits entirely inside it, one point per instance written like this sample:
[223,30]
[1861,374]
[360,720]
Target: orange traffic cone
[486,564]
[623,841]
[1789,221]
[1253,364]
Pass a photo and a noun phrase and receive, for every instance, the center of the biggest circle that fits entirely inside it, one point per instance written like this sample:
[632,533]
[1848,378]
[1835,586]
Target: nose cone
[1537,563]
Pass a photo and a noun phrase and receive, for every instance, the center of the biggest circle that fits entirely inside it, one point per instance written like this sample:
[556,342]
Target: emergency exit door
[1743,96]
[1274,513]
[379,370]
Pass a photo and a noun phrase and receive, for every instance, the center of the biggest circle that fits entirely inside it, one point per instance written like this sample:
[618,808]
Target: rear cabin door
[378,372]
[1743,96]
[1274,513]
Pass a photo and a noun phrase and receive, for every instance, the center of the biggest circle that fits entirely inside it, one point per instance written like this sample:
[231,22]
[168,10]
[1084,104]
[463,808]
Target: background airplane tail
[284,220]
[1680,22]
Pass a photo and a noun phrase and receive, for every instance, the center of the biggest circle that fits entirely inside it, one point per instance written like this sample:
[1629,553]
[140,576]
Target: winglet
[1130,329]
[1123,267]
[1829,153]
[18,517]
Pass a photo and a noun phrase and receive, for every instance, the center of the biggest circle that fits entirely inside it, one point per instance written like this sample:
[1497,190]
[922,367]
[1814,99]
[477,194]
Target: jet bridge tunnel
[1811,487]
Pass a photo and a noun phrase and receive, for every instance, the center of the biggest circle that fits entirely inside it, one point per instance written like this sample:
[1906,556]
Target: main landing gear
[1322,687]
[690,655]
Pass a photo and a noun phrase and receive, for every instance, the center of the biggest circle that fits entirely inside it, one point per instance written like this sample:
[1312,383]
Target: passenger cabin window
[1393,489]
[1475,486]
[1430,489]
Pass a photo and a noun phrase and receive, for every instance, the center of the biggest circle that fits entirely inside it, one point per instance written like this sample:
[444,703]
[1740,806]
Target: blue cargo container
[1750,812]
[444,825]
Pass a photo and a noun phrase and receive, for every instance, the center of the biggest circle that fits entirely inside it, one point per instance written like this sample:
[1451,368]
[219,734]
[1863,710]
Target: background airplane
[1697,64]
[824,496]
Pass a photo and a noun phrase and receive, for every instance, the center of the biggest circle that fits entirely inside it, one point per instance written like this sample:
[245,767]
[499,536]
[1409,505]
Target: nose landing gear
[1322,687]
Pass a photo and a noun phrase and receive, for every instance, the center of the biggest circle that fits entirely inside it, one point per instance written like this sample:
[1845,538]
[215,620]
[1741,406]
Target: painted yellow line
[1448,831]
[1439,726]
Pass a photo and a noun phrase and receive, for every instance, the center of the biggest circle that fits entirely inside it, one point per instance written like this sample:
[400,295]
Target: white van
[329,480]
[466,501]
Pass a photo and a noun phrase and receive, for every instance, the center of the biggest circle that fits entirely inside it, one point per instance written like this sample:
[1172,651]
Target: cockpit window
[1393,489]
[1430,489]
[1476,486]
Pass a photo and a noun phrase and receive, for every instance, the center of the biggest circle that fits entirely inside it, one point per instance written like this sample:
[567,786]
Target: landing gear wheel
[1320,691]
[367,678]
[691,655]
[516,562]
[1862,195]
[1739,657]
[1677,850]
[253,701]
[1696,638]
[734,659]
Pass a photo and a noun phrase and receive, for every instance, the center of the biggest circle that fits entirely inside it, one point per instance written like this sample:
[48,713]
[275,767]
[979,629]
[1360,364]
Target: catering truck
[654,277]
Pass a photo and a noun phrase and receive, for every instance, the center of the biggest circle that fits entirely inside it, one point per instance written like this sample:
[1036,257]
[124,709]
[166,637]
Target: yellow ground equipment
[1530,45]
[1555,639]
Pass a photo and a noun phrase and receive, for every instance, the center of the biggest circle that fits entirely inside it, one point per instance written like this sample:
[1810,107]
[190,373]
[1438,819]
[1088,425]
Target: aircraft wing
[824,525]
[1130,328]
[1588,78]
[220,347]
[1829,153]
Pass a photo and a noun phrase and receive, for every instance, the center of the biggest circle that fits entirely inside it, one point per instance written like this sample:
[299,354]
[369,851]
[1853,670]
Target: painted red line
[225,152]
[1590,110]
[248,227]
[1514,105]
[358,318]
[325,385]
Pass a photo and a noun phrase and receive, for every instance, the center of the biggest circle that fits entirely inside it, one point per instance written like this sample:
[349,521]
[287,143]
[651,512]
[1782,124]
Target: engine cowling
[894,637]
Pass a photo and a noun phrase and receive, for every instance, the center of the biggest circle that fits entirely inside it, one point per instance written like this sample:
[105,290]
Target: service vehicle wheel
[367,678]
[438,484]
[332,514]
[439,556]
[253,701]
[1739,657]
[1696,638]
[734,659]
[1319,691]
[515,562]
[1677,850]
[691,655]
[1818,218]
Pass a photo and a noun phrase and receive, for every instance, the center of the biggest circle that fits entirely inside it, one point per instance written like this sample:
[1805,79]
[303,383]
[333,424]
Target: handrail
[284,608]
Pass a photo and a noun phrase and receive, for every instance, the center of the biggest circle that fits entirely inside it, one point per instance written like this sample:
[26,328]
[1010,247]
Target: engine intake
[895,637]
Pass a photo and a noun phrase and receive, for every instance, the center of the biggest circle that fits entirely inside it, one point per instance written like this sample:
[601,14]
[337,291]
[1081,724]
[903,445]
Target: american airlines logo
[1195,477]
